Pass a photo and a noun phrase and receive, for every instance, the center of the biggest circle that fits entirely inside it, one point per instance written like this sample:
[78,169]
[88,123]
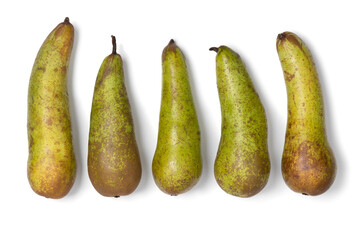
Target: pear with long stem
[114,165]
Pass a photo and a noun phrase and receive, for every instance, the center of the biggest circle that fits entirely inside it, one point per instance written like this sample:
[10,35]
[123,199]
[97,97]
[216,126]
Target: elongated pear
[114,165]
[51,163]
[308,163]
[242,164]
[177,162]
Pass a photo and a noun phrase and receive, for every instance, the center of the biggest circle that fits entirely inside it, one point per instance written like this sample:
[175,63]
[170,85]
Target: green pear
[177,162]
[308,163]
[114,165]
[51,164]
[242,164]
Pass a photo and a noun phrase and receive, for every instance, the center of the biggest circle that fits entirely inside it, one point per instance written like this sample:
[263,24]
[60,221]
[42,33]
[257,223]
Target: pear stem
[214,49]
[67,20]
[281,36]
[114,44]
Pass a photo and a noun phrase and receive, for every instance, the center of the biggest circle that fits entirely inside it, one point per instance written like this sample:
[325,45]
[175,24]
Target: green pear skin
[177,161]
[114,165]
[51,164]
[308,163]
[242,164]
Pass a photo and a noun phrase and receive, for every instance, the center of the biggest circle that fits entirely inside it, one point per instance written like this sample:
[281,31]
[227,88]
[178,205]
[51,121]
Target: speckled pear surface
[51,164]
[177,162]
[242,164]
[308,164]
[114,165]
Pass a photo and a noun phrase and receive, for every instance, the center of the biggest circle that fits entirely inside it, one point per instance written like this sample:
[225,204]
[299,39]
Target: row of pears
[242,164]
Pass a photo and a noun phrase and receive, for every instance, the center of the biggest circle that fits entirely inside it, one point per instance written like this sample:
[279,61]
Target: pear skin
[242,164]
[177,162]
[308,163]
[114,165]
[51,164]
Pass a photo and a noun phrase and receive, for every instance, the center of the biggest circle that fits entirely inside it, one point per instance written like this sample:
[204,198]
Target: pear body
[51,164]
[177,162]
[308,163]
[114,165]
[242,164]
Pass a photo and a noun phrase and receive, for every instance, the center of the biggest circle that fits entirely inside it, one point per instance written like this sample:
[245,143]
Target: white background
[143,29]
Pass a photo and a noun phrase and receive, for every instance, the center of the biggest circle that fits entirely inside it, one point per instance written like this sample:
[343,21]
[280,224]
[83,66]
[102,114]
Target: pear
[242,164]
[114,165]
[308,163]
[51,164]
[177,162]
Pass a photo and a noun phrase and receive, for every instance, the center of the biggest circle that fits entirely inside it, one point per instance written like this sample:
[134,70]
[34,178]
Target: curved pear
[114,165]
[51,165]
[177,162]
[242,164]
[308,164]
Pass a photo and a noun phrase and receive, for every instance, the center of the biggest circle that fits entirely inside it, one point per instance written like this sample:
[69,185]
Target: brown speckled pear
[308,164]
[177,162]
[51,164]
[114,165]
[242,164]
